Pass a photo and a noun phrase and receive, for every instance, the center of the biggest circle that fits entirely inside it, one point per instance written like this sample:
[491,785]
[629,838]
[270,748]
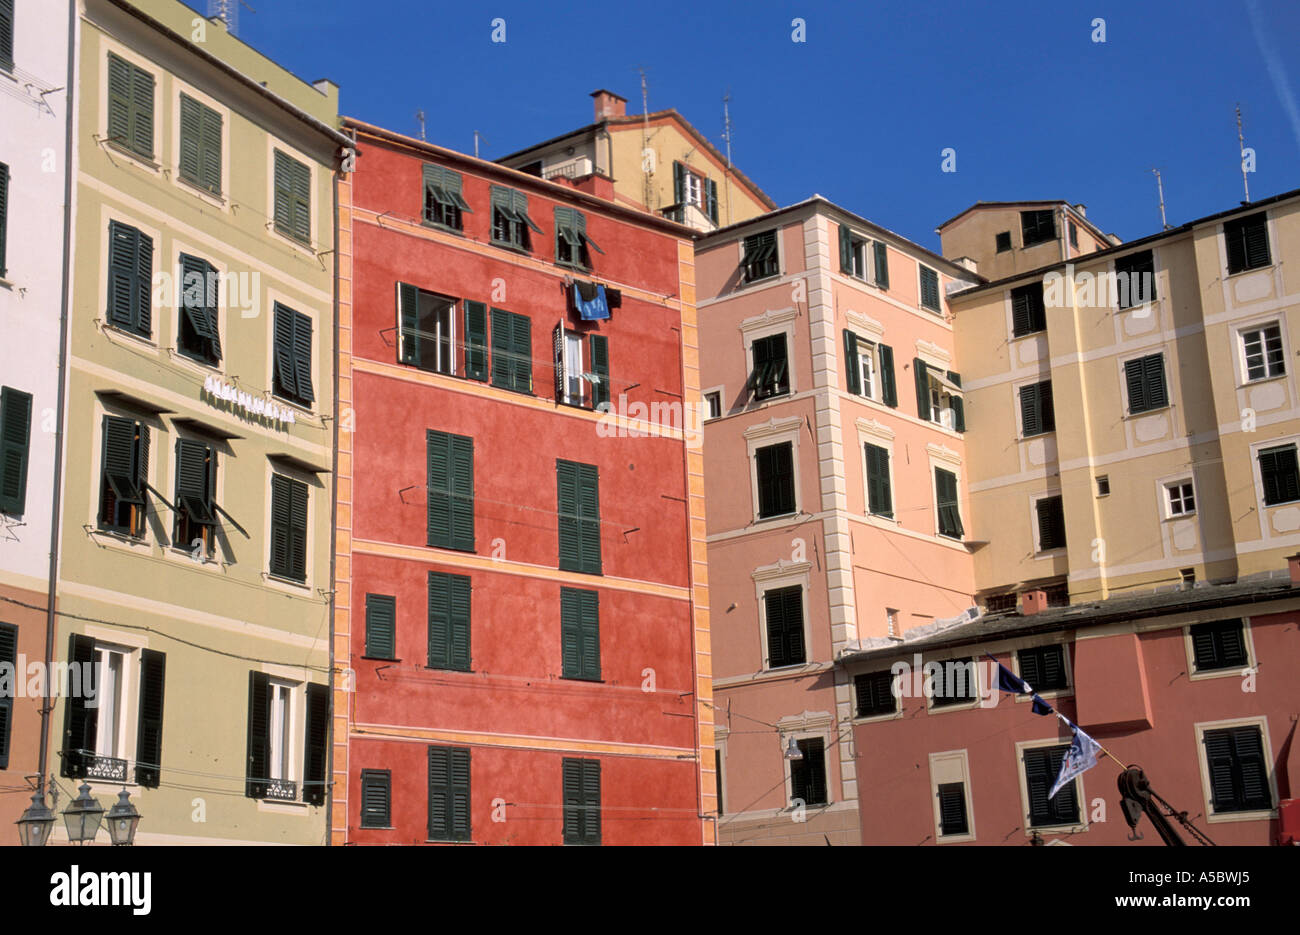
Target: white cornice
[865,323]
[782,569]
[808,720]
[933,353]
[943,453]
[771,317]
[774,426]
[872,427]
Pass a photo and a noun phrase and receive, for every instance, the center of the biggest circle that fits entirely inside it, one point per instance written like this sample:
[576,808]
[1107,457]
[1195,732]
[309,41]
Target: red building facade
[521,628]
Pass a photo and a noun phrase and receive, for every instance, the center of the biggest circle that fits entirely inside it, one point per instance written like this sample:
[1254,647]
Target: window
[1058,595]
[1180,499]
[8,658]
[578,505]
[512,354]
[1003,241]
[1037,227]
[381,626]
[1074,234]
[510,221]
[281,722]
[938,396]
[1218,645]
[875,691]
[952,809]
[130,107]
[882,264]
[714,402]
[785,643]
[273,715]
[954,684]
[200,162]
[760,259]
[860,366]
[288,528]
[580,633]
[316,737]
[124,476]
[808,773]
[4,216]
[771,374]
[930,289]
[1000,603]
[15,441]
[7,34]
[428,329]
[443,204]
[1279,474]
[571,240]
[130,279]
[1262,348]
[449,800]
[1247,243]
[198,333]
[573,376]
[450,491]
[945,490]
[1103,485]
[376,798]
[291,372]
[1042,766]
[292,198]
[1135,279]
[581,801]
[196,484]
[1238,771]
[476,342]
[1028,313]
[853,254]
[1043,667]
[1145,379]
[1037,413]
[880,495]
[691,188]
[449,621]
[1051,524]
[775,469]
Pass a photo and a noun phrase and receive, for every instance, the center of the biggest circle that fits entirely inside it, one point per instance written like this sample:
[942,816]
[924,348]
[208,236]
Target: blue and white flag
[1008,681]
[1081,756]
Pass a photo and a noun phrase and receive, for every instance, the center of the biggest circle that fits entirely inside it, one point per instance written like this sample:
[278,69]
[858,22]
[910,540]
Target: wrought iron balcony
[106,768]
[282,790]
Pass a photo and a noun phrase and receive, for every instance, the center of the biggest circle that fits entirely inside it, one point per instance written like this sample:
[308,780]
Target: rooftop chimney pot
[609,104]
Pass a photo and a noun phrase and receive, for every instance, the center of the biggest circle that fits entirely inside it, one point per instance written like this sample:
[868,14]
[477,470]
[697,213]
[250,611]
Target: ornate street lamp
[122,819]
[83,816]
[34,827]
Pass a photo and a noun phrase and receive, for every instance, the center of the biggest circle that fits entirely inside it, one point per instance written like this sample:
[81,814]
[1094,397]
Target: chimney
[609,104]
[1293,563]
[1082,209]
[1032,602]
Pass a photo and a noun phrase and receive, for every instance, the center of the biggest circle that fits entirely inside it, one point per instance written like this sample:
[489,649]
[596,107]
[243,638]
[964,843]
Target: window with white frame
[1179,498]
[692,189]
[1262,351]
[575,384]
[281,724]
[110,713]
[713,401]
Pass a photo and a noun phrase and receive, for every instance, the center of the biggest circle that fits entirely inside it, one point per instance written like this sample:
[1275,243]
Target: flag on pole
[1081,756]
[1008,681]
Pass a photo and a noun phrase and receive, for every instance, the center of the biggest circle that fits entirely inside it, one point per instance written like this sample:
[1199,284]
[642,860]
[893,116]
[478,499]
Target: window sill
[931,708]
[1027,334]
[308,245]
[376,827]
[1262,814]
[429,668]
[304,408]
[379,659]
[1050,695]
[776,516]
[1148,412]
[435,225]
[1029,438]
[207,194]
[143,160]
[788,667]
[1274,378]
[1228,672]
[1072,828]
[451,548]
[875,718]
[512,247]
[1054,552]
[579,678]
[1178,516]
[5,283]
[1269,506]
[145,339]
[291,582]
[1253,269]
[446,841]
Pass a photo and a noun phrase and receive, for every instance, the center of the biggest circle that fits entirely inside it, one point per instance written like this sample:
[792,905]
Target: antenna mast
[1160,187]
[479,136]
[648,188]
[726,123]
[1241,146]
[419,115]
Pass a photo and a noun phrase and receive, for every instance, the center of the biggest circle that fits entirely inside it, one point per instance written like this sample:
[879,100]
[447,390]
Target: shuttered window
[771,374]
[450,491]
[578,506]
[81,721]
[952,809]
[572,245]
[200,161]
[258,769]
[124,470]
[4,217]
[880,495]
[929,289]
[1028,312]
[130,279]
[449,621]
[955,682]
[1042,766]
[1247,243]
[945,489]
[198,332]
[875,692]
[292,198]
[760,259]
[376,798]
[581,801]
[511,222]
[476,343]
[1279,474]
[130,106]
[1043,667]
[7,35]
[1051,523]
[444,204]
[1219,644]
[784,610]
[580,633]
[808,773]
[1145,379]
[8,658]
[381,626]
[149,730]
[449,798]
[1037,413]
[774,465]
[1037,227]
[512,351]
[598,346]
[292,363]
[1238,771]
[881,258]
[888,389]
[316,732]
[15,449]
[196,472]
[1135,279]
[288,528]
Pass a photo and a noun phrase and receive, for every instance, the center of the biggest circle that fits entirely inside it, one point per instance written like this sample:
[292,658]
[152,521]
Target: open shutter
[888,388]
[557,355]
[958,404]
[80,724]
[589,518]
[476,356]
[600,390]
[142,111]
[286,373]
[8,657]
[679,183]
[302,356]
[459,617]
[1048,531]
[7,34]
[4,215]
[280,525]
[381,626]
[191,132]
[922,389]
[460,794]
[852,370]
[408,323]
[566,479]
[846,250]
[148,753]
[882,264]
[259,735]
[15,440]
[315,744]
[712,189]
[462,492]
[439,621]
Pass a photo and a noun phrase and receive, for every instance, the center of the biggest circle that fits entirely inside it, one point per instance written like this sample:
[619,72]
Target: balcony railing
[282,790]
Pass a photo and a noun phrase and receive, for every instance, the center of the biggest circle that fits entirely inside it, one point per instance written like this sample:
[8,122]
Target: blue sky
[862,110]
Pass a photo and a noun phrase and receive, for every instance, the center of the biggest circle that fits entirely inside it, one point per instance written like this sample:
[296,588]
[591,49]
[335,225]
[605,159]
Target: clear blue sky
[862,110]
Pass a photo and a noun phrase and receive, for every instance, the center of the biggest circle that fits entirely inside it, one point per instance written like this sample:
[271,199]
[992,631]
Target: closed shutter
[521,348]
[376,798]
[578,508]
[852,369]
[589,518]
[297,530]
[148,751]
[922,389]
[1219,760]
[476,355]
[259,735]
[15,440]
[408,323]
[952,809]
[450,491]
[1028,314]
[875,691]
[930,289]
[1153,368]
[280,525]
[316,744]
[292,198]
[581,801]
[302,357]
[462,493]
[888,388]
[882,264]
[459,614]
[946,494]
[1052,674]
[580,633]
[566,478]
[210,151]
[130,275]
[1248,750]
[7,34]
[958,404]
[600,391]
[1042,766]
[449,621]
[1031,667]
[8,658]
[502,366]
[142,112]
[80,723]
[784,607]
[4,216]
[381,626]
[449,794]
[846,250]
[880,497]
[460,795]
[195,469]
[119,101]
[190,132]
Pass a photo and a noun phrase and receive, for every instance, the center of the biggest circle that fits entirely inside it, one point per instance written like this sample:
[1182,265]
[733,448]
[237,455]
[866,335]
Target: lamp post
[34,827]
[123,819]
[83,816]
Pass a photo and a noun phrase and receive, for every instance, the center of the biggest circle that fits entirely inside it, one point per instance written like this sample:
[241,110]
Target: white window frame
[1260,328]
[692,187]
[773,578]
[1080,792]
[947,767]
[715,391]
[283,693]
[1169,488]
[121,706]
[779,321]
[1261,721]
[573,374]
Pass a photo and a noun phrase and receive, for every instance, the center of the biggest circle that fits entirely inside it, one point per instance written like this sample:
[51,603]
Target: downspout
[333,539]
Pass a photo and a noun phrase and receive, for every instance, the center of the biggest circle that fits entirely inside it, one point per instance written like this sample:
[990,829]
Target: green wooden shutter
[142,112]
[148,754]
[712,187]
[930,289]
[922,389]
[1030,410]
[852,370]
[376,798]
[210,150]
[7,34]
[80,723]
[946,495]
[846,249]
[777,655]
[1135,378]
[557,355]
[191,131]
[679,183]
[302,356]
[4,217]
[462,493]
[301,188]
[1153,375]
[439,621]
[15,441]
[1218,755]
[460,795]
[888,388]
[381,626]
[580,633]
[408,323]
[589,518]
[298,530]
[439,489]
[1050,530]
[439,793]
[502,366]
[259,735]
[283,194]
[195,472]
[119,101]
[450,491]
[286,371]
[8,657]
[476,355]
[581,801]
[143,298]
[958,404]
[521,349]
[1256,243]
[1252,769]
[280,525]
[316,744]
[459,614]
[880,497]
[122,244]
[600,391]
[566,479]
[882,264]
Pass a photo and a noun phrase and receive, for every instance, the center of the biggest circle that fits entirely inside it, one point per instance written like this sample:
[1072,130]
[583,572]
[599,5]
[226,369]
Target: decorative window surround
[943,453]
[865,325]
[933,355]
[876,429]
[767,319]
[1247,640]
[772,429]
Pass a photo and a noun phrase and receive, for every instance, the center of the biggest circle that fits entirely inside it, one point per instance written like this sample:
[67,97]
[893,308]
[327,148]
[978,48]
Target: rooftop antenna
[1241,145]
[477,136]
[1160,187]
[419,116]
[648,188]
[228,12]
[726,123]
